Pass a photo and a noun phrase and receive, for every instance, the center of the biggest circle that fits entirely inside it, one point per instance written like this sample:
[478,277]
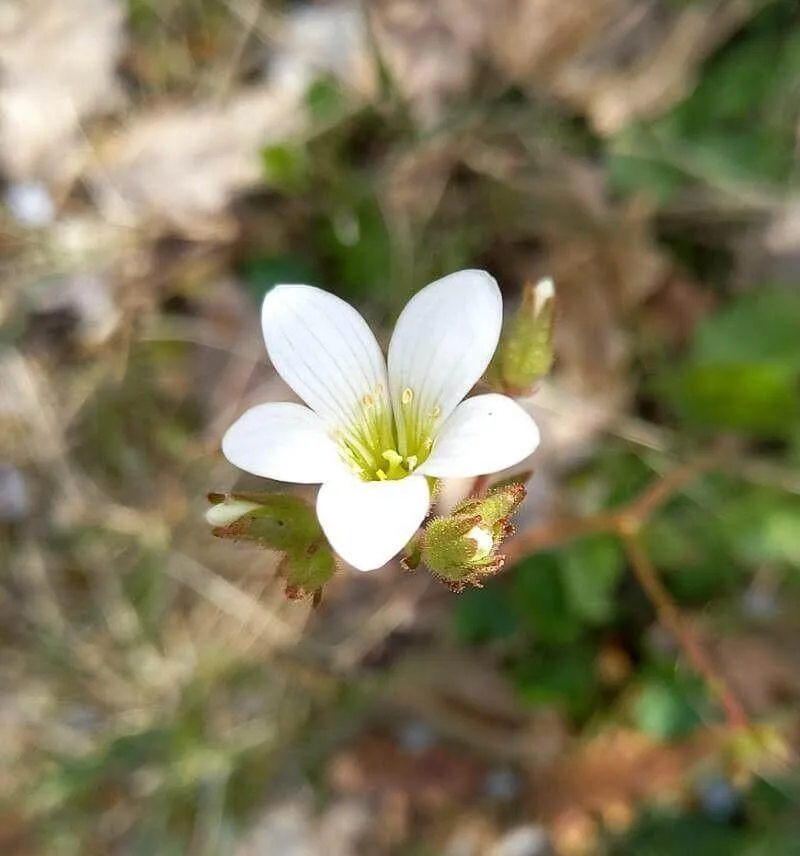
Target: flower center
[381,445]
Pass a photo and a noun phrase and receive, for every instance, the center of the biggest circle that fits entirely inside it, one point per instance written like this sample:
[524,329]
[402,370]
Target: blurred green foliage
[742,370]
[736,126]
[764,823]
[666,704]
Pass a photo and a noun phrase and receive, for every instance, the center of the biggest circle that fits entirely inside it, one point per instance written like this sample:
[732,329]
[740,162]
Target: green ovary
[378,446]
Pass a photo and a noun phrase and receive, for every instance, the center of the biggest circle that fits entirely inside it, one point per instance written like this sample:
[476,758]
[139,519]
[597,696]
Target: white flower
[371,433]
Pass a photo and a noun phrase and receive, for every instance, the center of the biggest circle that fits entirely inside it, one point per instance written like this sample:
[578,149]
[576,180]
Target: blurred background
[165,162]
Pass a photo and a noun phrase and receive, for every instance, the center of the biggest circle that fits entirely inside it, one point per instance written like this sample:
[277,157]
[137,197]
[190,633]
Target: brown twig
[555,533]
[626,522]
[660,492]
[672,618]
[561,530]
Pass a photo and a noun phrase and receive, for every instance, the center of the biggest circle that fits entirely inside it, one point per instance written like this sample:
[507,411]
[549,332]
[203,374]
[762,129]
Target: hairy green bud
[525,353]
[462,548]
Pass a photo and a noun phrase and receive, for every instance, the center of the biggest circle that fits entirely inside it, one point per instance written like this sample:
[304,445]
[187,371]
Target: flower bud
[462,548]
[278,522]
[228,510]
[448,548]
[525,353]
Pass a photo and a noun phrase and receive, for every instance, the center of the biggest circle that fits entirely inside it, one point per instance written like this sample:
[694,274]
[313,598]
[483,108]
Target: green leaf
[663,710]
[775,795]
[539,596]
[763,526]
[761,327]
[261,274]
[285,167]
[743,367]
[481,615]
[562,676]
[758,399]
[356,239]
[630,172]
[678,835]
[590,570]
[736,126]
[692,549]
[325,100]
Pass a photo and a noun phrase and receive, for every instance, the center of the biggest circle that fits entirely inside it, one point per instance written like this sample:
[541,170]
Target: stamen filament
[375,434]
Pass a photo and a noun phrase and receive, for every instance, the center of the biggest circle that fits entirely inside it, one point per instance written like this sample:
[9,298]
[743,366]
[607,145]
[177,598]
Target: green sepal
[517,479]
[307,571]
[447,551]
[498,504]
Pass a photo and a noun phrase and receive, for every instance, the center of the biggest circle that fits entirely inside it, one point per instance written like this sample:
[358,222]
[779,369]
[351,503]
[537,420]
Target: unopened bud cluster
[462,548]
[525,353]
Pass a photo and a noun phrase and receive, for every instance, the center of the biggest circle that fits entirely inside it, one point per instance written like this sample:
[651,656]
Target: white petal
[369,522]
[323,349]
[543,293]
[225,513]
[443,342]
[484,542]
[485,434]
[282,441]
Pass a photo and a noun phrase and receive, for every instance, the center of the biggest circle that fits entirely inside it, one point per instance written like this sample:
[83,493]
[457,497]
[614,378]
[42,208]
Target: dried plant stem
[672,618]
[556,532]
[561,530]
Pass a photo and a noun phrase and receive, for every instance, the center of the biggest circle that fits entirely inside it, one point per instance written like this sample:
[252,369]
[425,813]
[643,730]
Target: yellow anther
[392,457]
[373,437]
[436,412]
